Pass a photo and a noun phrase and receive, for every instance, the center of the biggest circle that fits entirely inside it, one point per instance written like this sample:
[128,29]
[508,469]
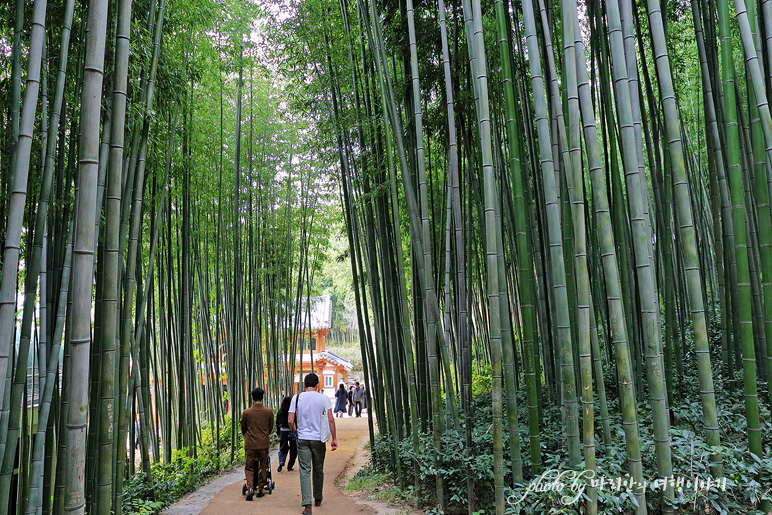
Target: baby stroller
[269,483]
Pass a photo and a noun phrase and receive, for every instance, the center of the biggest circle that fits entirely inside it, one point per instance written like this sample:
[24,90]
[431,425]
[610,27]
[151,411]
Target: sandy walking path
[285,500]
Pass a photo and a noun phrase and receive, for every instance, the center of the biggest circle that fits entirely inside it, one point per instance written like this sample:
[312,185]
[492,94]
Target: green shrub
[748,477]
[481,379]
[182,474]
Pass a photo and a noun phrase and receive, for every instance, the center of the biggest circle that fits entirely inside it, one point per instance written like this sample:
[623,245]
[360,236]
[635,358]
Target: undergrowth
[183,473]
[748,477]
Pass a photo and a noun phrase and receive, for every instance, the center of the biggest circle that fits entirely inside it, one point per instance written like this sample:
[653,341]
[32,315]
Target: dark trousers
[358,408]
[261,456]
[287,445]
[350,408]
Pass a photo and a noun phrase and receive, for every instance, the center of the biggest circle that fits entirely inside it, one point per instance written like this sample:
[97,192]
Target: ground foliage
[183,473]
[747,480]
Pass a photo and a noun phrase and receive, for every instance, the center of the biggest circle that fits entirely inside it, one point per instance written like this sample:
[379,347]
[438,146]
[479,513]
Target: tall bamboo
[104,473]
[611,273]
[557,263]
[574,179]
[18,194]
[735,173]
[524,259]
[490,189]
[431,315]
[649,307]
[694,282]
[83,260]
[753,66]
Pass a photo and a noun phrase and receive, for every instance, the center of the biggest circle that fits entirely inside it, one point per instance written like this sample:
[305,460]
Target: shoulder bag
[324,426]
[293,435]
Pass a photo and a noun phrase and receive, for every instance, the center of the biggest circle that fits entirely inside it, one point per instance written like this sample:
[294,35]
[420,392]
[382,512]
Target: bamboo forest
[542,227]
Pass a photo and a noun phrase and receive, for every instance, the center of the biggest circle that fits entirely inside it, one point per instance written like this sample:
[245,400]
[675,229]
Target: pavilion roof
[333,358]
[321,312]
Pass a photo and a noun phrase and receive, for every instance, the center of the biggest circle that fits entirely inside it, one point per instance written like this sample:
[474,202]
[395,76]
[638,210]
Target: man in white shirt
[311,415]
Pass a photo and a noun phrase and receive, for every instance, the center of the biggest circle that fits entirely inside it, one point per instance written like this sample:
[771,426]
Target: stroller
[269,483]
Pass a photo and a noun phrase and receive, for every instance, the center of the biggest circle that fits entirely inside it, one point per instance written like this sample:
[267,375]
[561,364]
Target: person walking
[350,399]
[287,441]
[256,426]
[357,396]
[311,416]
[341,397]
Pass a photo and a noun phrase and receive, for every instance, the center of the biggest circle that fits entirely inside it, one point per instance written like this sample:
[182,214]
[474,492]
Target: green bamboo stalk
[613,282]
[765,229]
[567,157]
[431,318]
[576,196]
[104,472]
[35,504]
[694,282]
[524,258]
[597,369]
[462,336]
[509,372]
[479,72]
[739,218]
[633,81]
[425,280]
[83,260]
[555,238]
[18,193]
[649,307]
[400,260]
[761,190]
[16,54]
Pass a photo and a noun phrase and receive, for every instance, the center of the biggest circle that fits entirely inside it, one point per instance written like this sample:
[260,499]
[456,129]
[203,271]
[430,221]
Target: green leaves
[182,474]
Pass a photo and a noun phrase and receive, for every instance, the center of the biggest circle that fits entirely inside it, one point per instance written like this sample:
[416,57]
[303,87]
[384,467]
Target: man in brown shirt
[256,426]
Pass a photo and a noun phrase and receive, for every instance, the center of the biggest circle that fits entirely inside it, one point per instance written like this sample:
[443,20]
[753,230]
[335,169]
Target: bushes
[182,474]
[452,465]
[748,477]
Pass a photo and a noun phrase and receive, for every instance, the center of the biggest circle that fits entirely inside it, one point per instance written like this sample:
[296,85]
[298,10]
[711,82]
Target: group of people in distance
[304,424]
[352,400]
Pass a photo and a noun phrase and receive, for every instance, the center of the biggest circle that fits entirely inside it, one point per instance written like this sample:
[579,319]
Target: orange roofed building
[331,368]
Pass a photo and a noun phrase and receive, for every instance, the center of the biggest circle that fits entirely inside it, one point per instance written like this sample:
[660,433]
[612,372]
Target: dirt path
[285,500]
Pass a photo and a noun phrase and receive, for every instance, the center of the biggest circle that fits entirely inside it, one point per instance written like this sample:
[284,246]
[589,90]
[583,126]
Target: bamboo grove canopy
[558,228]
